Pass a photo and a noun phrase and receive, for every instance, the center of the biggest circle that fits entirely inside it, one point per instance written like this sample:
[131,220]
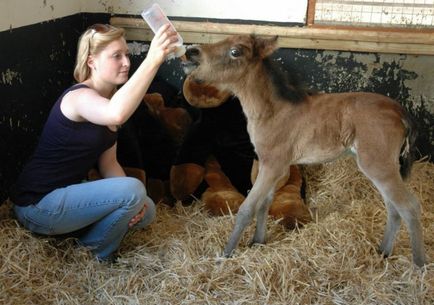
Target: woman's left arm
[110,167]
[108,164]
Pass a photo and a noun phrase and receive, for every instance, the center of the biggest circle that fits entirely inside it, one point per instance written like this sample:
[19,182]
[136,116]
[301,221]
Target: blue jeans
[99,210]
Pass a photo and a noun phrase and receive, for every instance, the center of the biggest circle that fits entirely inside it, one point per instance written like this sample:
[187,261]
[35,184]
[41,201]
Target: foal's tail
[408,149]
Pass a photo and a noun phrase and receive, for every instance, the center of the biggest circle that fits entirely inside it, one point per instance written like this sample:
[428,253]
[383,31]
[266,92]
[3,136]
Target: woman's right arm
[125,101]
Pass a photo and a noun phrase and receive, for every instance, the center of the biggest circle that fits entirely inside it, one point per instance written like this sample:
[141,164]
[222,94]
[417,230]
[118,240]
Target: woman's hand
[162,44]
[138,217]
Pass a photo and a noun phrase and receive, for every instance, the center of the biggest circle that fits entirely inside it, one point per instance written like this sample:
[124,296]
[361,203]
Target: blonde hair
[92,42]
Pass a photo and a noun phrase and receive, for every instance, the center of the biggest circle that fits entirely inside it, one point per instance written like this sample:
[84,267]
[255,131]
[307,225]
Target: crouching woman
[50,197]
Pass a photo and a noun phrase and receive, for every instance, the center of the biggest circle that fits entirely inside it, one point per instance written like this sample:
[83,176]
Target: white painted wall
[270,10]
[101,6]
[17,13]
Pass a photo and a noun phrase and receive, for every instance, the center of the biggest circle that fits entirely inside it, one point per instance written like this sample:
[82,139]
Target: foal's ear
[265,46]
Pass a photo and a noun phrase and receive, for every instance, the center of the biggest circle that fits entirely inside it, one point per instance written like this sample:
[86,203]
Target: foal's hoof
[383,253]
[256,242]
[228,251]
[419,260]
[227,254]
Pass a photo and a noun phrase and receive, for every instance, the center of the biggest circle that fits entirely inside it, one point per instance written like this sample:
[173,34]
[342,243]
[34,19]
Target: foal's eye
[236,52]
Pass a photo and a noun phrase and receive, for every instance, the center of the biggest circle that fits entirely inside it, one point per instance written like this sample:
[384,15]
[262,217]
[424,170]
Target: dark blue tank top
[66,151]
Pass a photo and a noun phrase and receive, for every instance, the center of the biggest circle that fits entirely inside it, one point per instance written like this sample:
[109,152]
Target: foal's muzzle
[192,59]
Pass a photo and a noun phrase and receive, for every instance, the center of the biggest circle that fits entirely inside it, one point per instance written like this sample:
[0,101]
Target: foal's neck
[255,95]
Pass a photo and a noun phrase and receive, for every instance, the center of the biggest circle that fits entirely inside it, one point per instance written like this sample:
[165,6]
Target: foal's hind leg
[385,175]
[392,226]
[408,207]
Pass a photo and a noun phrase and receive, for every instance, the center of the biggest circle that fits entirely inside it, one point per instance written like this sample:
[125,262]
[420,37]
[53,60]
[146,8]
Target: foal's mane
[286,83]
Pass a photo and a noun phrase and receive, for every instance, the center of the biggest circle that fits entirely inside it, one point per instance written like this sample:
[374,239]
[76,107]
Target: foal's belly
[320,155]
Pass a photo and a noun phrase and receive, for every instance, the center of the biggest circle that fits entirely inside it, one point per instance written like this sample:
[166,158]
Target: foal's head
[228,64]
[227,61]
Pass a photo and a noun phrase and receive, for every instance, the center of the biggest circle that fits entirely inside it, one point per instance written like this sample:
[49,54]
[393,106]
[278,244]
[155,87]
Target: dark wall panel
[36,66]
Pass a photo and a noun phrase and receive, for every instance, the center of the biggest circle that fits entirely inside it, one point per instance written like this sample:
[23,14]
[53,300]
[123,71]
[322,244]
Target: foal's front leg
[261,219]
[257,200]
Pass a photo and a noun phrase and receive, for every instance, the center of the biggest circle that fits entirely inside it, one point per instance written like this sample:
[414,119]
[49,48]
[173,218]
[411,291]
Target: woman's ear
[91,62]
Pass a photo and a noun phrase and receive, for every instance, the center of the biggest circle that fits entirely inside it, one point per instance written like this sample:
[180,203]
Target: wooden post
[310,12]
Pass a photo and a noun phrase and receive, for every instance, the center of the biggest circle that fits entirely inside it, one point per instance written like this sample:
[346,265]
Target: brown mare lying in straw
[289,126]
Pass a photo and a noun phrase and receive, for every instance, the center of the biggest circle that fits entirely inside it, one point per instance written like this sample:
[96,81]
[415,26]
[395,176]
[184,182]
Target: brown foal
[287,125]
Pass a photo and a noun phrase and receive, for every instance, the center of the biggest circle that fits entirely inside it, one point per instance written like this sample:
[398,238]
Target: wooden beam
[340,39]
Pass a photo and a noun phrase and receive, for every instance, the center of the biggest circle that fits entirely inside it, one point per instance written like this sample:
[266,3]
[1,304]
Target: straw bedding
[177,260]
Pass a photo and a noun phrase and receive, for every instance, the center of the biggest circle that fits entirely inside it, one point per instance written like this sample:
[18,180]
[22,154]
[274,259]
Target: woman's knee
[134,191]
[138,189]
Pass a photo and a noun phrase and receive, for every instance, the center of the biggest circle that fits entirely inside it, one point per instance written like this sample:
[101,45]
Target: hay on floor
[177,260]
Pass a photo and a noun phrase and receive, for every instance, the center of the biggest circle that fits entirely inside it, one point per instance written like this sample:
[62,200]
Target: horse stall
[332,46]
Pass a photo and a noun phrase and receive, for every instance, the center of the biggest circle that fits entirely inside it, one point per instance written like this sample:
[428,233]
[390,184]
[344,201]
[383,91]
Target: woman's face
[112,64]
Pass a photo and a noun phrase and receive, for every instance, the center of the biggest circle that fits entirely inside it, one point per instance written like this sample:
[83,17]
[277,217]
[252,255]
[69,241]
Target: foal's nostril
[192,51]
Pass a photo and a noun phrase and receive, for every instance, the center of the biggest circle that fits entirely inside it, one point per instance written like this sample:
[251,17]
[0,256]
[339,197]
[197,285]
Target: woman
[81,130]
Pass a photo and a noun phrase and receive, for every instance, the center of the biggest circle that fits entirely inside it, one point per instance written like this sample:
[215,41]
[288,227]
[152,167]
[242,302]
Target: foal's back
[323,126]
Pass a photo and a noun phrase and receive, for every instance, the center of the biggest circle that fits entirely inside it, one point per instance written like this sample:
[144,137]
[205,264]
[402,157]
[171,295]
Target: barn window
[373,13]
